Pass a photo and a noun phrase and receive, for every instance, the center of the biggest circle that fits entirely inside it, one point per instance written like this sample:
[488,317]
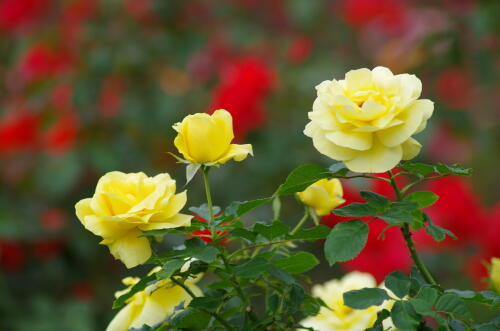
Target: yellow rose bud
[323,196]
[125,205]
[340,316]
[152,305]
[495,273]
[206,139]
[367,120]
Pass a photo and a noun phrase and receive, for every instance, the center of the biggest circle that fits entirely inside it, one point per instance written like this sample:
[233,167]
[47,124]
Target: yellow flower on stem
[206,139]
[323,196]
[367,120]
[153,304]
[340,316]
[125,205]
[495,273]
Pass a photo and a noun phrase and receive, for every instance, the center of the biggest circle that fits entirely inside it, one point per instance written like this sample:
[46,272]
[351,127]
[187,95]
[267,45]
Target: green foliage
[398,283]
[422,198]
[345,241]
[274,230]
[404,316]
[139,286]
[298,263]
[301,177]
[366,297]
[356,209]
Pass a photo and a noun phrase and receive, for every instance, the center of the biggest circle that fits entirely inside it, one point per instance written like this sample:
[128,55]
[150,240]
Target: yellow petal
[426,107]
[167,223]
[358,79]
[398,134]
[236,152]
[360,141]
[83,209]
[325,146]
[122,321]
[377,159]
[182,147]
[225,122]
[131,249]
[411,148]
[172,205]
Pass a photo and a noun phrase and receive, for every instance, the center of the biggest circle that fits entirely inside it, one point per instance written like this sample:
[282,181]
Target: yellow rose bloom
[323,196]
[495,273]
[125,205]
[206,139]
[367,120]
[342,317]
[152,305]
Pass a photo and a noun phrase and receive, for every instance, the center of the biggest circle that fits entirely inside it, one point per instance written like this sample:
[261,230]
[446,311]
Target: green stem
[207,192]
[215,315]
[301,222]
[405,230]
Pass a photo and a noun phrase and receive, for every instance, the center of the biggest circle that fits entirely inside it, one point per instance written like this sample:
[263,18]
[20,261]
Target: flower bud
[495,273]
[323,196]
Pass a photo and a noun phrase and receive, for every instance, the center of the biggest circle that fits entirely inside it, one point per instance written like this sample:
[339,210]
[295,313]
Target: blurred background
[90,86]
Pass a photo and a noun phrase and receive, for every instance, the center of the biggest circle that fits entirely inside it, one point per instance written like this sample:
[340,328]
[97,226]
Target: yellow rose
[323,196]
[206,139]
[367,120]
[341,317]
[152,305]
[124,205]
[495,273]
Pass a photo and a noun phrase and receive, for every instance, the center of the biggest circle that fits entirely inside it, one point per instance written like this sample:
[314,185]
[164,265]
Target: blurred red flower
[18,130]
[12,255]
[244,83]
[110,99]
[381,255]
[61,97]
[300,49]
[47,249]
[454,87]
[53,219]
[42,61]
[18,14]
[61,136]
[83,291]
[390,14]
[206,234]
[458,210]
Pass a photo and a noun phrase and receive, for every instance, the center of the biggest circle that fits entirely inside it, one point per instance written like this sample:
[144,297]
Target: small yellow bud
[323,196]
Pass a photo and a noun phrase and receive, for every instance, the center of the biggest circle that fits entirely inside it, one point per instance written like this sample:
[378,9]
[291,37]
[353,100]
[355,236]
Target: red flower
[244,84]
[61,96]
[457,210]
[12,255]
[18,14]
[300,49]
[53,219]
[454,87]
[391,14]
[83,291]
[47,249]
[380,256]
[42,61]
[110,100]
[206,235]
[61,136]
[18,131]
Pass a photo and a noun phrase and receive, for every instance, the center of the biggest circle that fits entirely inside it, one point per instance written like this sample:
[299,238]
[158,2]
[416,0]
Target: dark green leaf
[452,303]
[139,286]
[485,297]
[196,248]
[376,200]
[252,268]
[203,211]
[318,232]
[298,263]
[428,294]
[297,295]
[338,169]
[400,212]
[345,241]
[398,283]
[419,169]
[191,319]
[366,297]
[454,169]
[275,230]
[422,198]
[300,178]
[243,233]
[169,268]
[438,233]
[272,304]
[356,209]
[239,208]
[281,275]
[381,316]
[456,325]
[210,301]
[422,307]
[404,317]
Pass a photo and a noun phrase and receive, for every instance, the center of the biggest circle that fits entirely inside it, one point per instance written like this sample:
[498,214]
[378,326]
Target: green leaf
[356,209]
[203,211]
[424,301]
[454,169]
[252,268]
[191,170]
[210,301]
[298,263]
[422,307]
[281,275]
[272,304]
[244,233]
[398,283]
[452,303]
[428,294]
[457,325]
[300,178]
[375,200]
[139,286]
[318,232]
[275,230]
[484,297]
[381,316]
[419,169]
[400,212]
[404,317]
[345,241]
[239,208]
[191,319]
[169,268]
[422,198]
[365,297]
[338,169]
[438,233]
[196,248]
